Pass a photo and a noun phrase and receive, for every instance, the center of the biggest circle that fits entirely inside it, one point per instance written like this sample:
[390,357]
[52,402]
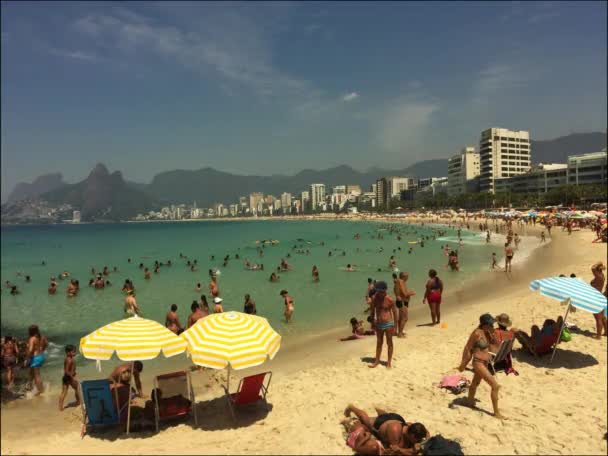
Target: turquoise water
[318,306]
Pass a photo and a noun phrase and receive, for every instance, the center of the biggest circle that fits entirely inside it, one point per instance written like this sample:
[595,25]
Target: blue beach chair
[100,406]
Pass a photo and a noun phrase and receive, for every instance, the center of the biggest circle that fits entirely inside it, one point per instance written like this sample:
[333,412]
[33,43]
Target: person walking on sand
[477,348]
[402,301]
[36,351]
[432,295]
[382,308]
[69,377]
[598,283]
[542,237]
[508,256]
[289,307]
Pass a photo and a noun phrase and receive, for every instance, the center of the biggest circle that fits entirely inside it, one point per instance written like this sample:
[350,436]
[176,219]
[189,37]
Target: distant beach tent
[572,292]
[231,339]
[132,339]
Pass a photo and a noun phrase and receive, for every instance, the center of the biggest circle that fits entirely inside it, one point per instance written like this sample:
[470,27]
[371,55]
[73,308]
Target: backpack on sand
[439,446]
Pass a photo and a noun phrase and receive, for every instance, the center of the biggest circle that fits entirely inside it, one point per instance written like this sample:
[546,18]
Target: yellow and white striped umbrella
[132,339]
[232,339]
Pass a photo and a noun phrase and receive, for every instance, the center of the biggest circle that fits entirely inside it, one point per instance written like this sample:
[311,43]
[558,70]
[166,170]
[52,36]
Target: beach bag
[566,336]
[455,383]
[439,446]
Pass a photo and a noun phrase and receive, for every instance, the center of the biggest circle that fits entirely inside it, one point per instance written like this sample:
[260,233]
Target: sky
[267,88]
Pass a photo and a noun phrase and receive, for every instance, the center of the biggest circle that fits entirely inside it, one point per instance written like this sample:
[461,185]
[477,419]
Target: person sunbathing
[358,331]
[542,340]
[360,439]
[397,436]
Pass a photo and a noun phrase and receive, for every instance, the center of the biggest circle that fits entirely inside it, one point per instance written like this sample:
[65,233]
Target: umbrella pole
[130,386]
[567,302]
[228,380]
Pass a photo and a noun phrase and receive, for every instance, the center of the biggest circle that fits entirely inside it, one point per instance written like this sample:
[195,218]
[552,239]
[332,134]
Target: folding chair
[98,404]
[501,355]
[177,397]
[251,390]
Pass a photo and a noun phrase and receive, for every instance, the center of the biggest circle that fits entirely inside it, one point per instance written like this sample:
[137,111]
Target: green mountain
[102,196]
[557,150]
[40,185]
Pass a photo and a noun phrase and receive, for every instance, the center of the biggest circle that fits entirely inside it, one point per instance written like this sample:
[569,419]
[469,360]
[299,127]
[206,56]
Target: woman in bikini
[434,290]
[289,307]
[598,283]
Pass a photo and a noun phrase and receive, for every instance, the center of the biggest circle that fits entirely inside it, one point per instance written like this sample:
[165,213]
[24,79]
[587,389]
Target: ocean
[318,306]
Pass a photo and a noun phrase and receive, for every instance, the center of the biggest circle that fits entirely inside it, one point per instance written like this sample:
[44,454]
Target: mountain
[557,150]
[41,184]
[102,196]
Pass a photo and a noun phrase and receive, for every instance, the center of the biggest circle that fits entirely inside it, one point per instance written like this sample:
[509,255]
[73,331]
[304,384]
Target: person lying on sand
[396,435]
[358,331]
[360,439]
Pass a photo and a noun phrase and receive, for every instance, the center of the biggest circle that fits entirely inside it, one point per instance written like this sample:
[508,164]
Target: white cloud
[405,124]
[350,96]
[76,55]
[498,78]
[224,41]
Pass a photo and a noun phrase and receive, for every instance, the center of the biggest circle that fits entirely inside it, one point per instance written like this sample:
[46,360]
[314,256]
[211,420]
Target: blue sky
[278,87]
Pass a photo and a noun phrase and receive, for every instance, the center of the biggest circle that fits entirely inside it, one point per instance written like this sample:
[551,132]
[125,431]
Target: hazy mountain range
[109,196]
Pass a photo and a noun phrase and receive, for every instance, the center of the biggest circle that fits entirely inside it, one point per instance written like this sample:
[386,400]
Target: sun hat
[217,300]
[503,320]
[486,319]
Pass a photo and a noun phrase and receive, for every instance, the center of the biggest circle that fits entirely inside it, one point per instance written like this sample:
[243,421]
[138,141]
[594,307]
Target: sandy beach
[557,408]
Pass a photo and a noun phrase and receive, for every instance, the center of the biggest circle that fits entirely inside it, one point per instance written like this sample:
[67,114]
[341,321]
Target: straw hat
[503,320]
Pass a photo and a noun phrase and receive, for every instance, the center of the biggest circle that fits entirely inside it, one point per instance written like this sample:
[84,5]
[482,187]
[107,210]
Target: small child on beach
[494,262]
[69,376]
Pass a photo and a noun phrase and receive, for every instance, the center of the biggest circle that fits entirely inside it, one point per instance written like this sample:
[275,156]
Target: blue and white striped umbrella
[582,295]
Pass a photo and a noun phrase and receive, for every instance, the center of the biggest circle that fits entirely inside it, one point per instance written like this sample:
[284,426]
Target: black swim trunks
[400,304]
[67,379]
[381,419]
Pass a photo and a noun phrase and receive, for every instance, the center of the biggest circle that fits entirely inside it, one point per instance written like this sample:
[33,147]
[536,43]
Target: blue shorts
[384,325]
[38,360]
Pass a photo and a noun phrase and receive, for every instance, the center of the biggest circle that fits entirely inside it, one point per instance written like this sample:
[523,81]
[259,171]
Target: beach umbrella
[131,339]
[231,339]
[572,292]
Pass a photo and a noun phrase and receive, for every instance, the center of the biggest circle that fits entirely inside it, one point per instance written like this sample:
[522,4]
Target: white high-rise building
[503,153]
[463,170]
[317,196]
[286,202]
[76,217]
[587,168]
[254,199]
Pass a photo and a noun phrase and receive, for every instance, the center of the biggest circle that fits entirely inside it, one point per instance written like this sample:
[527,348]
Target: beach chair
[500,360]
[251,390]
[177,397]
[98,404]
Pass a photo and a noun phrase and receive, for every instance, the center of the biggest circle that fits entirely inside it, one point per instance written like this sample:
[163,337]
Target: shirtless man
[289,308]
[172,320]
[122,375]
[402,301]
[72,290]
[382,307]
[36,351]
[195,315]
[69,376]
[508,256]
[131,307]
[397,436]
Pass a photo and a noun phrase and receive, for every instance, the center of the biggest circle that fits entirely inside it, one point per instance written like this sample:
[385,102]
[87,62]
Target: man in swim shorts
[402,301]
[382,309]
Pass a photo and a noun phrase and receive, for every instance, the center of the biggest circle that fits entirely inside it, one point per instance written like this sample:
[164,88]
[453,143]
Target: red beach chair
[251,390]
[177,396]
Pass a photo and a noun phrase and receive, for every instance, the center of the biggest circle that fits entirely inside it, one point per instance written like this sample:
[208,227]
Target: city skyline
[274,88]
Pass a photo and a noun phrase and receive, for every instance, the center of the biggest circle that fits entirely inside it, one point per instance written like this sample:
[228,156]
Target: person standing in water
[10,351]
[382,309]
[213,287]
[289,307]
[172,320]
[434,290]
[131,307]
[508,256]
[36,351]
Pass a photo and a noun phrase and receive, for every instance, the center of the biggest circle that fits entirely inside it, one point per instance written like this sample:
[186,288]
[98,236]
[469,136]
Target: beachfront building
[317,196]
[286,202]
[503,153]
[353,190]
[254,201]
[463,172]
[305,200]
[76,217]
[388,188]
[587,168]
[541,178]
[433,185]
